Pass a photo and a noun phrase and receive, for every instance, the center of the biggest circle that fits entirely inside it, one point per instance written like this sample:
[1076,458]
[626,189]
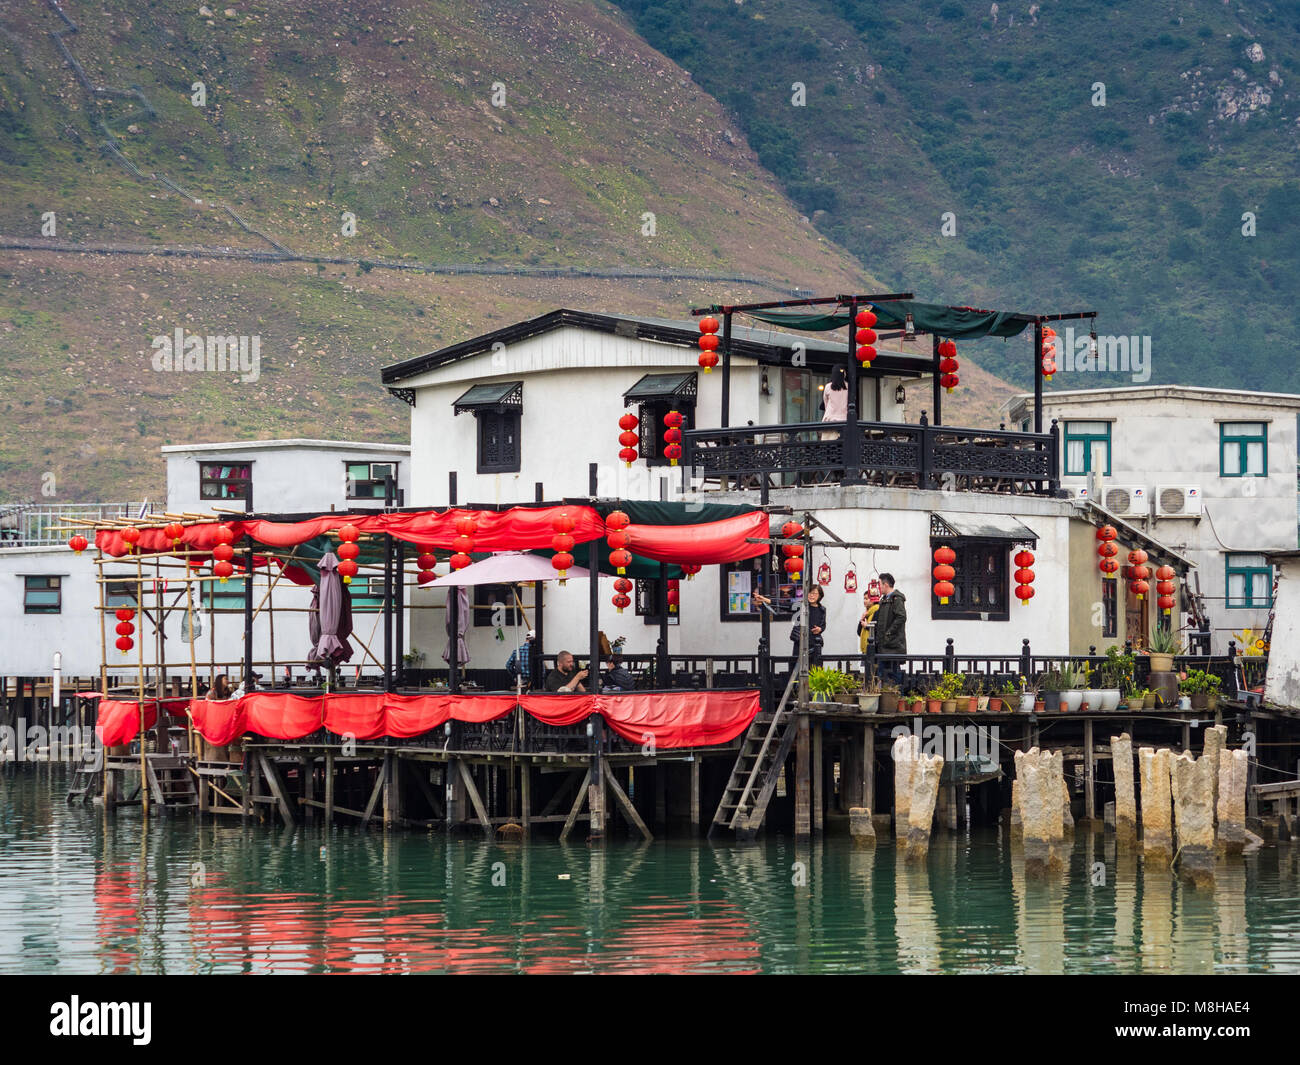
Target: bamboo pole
[194,680]
[144,772]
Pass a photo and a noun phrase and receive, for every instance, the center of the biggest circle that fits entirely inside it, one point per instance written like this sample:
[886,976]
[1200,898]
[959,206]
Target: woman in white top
[835,400]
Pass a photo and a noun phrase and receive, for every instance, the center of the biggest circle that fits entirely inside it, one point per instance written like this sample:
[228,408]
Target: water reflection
[86,893]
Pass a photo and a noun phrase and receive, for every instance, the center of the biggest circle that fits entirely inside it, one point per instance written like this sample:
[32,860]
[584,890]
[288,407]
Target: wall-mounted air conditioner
[1178,501]
[1126,500]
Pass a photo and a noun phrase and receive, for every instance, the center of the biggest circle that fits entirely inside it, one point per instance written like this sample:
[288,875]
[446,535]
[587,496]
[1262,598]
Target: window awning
[662,386]
[497,396]
[958,322]
[1001,527]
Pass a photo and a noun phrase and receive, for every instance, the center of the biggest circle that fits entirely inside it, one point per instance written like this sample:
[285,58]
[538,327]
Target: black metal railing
[883,453]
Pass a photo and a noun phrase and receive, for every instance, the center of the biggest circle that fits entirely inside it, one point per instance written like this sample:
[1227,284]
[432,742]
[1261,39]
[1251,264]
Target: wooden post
[329,788]
[936,399]
[526,792]
[1038,377]
[1089,772]
[695,793]
[726,370]
[818,779]
[802,803]
[869,768]
[139,602]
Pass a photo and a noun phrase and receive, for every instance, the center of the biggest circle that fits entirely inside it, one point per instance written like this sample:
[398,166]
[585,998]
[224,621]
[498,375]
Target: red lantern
[794,566]
[708,360]
[943,573]
[628,422]
[1024,576]
[1108,566]
[125,628]
[1106,532]
[866,318]
[562,542]
[628,455]
[223,552]
[673,419]
[1136,557]
[225,569]
[461,560]
[623,585]
[672,436]
[629,439]
[616,519]
[824,574]
[1024,559]
[1024,592]
[561,561]
[708,324]
[949,381]
[125,643]
[690,569]
[561,522]
[1166,603]
[674,597]
[1049,367]
[945,555]
[425,576]
[792,550]
[1165,573]
[620,560]
[1139,573]
[347,570]
[348,551]
[945,591]
[347,533]
[621,601]
[1140,588]
[78,543]
[174,532]
[709,342]
[125,613]
[790,530]
[672,452]
[426,560]
[618,538]
[865,336]
[1164,587]
[866,353]
[130,536]
[948,349]
[1107,549]
[467,525]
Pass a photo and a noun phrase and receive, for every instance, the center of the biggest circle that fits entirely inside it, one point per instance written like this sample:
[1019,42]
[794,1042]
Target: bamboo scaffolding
[144,768]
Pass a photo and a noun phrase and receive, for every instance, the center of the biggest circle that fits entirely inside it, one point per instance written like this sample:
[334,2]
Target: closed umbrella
[331,622]
[462,624]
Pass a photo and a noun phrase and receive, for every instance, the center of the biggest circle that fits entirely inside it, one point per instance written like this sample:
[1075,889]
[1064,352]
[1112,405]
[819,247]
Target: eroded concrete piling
[925,791]
[1121,754]
[1157,806]
[1232,801]
[1193,795]
[906,750]
[1042,795]
[861,829]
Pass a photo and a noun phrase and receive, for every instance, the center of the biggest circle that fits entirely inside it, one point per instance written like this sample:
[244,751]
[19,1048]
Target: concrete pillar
[1042,790]
[1232,801]
[1157,806]
[1016,825]
[1193,793]
[906,750]
[1067,818]
[1215,740]
[861,828]
[925,791]
[1121,755]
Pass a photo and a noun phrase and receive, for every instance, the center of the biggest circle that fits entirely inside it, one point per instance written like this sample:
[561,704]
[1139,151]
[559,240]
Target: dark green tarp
[955,322]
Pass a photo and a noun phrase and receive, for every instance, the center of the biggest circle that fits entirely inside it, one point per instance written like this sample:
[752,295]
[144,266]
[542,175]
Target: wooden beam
[578,800]
[272,774]
[375,792]
[474,798]
[628,809]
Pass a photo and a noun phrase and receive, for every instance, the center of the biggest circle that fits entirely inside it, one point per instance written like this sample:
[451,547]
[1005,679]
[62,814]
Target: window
[498,441]
[740,580]
[1249,581]
[42,595]
[224,481]
[1087,448]
[365,480]
[980,586]
[1109,609]
[649,602]
[218,596]
[1243,449]
[487,598]
[655,395]
[367,594]
[801,395]
[119,594]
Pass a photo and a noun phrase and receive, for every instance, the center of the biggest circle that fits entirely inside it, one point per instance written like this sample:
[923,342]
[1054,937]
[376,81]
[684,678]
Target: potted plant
[1161,648]
[1029,695]
[1116,677]
[888,699]
[825,683]
[934,699]
[951,684]
[981,700]
[1073,680]
[1196,684]
[869,697]
[1050,687]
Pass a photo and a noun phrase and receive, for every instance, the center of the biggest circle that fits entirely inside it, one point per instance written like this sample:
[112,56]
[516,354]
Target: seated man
[565,678]
[617,678]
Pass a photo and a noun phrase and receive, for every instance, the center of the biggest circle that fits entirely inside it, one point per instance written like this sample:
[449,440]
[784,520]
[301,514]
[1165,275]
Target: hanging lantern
[347,533]
[621,602]
[174,532]
[130,536]
[425,576]
[1106,532]
[124,628]
[124,613]
[628,422]
[125,643]
[1108,566]
[850,580]
[225,569]
[690,569]
[1140,588]
[708,324]
[672,452]
[347,570]
[616,519]
[1137,557]
[794,566]
[461,560]
[628,439]
[426,560]
[674,597]
[1107,549]
[1024,576]
[616,539]
[792,550]
[865,354]
[865,336]
[1165,603]
[622,584]
[943,573]
[628,455]
[78,543]
[708,343]
[865,319]
[620,560]
[352,551]
[790,530]
[824,574]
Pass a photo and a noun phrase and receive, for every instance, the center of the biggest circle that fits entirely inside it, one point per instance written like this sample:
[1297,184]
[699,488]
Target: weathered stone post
[925,791]
[1042,788]
[861,828]
[1121,756]
[1233,767]
[1067,818]
[1157,806]
[1193,790]
[1016,825]
[1215,740]
[907,748]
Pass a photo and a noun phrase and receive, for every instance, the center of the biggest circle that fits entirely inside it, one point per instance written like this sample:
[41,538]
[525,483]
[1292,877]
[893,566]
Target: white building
[49,596]
[1208,472]
[520,413]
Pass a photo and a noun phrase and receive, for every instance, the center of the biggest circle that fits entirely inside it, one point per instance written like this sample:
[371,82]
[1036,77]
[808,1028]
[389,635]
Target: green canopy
[956,322]
[643,512]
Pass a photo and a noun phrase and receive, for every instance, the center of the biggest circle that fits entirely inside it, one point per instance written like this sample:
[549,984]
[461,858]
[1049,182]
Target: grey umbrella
[462,618]
[330,621]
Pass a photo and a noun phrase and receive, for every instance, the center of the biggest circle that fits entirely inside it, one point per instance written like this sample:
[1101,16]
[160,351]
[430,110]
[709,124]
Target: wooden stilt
[578,801]
[475,799]
[1089,772]
[272,774]
[526,794]
[329,788]
[818,775]
[628,809]
[695,794]
[802,796]
[869,768]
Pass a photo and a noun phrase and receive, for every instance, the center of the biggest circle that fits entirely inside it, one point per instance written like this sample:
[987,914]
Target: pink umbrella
[508,567]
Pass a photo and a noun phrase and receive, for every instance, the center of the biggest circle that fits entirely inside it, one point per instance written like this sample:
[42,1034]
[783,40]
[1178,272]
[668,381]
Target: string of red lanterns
[943,573]
[425,562]
[865,335]
[621,587]
[617,538]
[708,343]
[222,552]
[628,438]
[1024,576]
[673,437]
[348,551]
[948,365]
[1138,573]
[1106,551]
[1049,352]
[793,552]
[125,628]
[561,543]
[1165,588]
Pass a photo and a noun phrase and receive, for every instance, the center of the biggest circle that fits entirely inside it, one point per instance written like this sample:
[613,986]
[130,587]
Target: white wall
[1282,686]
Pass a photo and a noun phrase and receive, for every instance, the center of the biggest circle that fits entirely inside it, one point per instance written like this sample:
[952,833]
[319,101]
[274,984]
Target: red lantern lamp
[709,342]
[223,552]
[562,543]
[672,436]
[1140,588]
[1136,557]
[628,455]
[708,324]
[1024,576]
[949,381]
[1108,566]
[461,560]
[623,585]
[866,353]
[945,555]
[347,570]
[225,569]
[708,360]
[794,565]
[628,422]
[672,452]
[790,530]
[426,560]
[1106,532]
[124,613]
[174,532]
[1024,592]
[618,538]
[347,533]
[621,601]
[78,543]
[865,319]
[561,562]
[125,643]
[425,576]
[620,560]
[1166,603]
[948,349]
[865,336]
[690,569]
[628,439]
[1139,573]
[1024,559]
[130,536]
[792,550]
[1164,587]
[124,628]
[945,591]
[347,551]
[673,419]
[616,519]
[674,597]
[1165,573]
[1107,549]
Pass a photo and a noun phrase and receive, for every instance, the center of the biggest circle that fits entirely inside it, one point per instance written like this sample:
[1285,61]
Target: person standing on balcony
[891,626]
[835,401]
[816,627]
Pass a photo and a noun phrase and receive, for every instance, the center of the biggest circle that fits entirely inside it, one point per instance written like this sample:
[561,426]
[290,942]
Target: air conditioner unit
[1126,500]
[1178,501]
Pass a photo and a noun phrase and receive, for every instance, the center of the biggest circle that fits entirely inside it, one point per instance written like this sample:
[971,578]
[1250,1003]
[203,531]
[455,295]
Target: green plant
[1073,675]
[826,682]
[950,686]
[1197,681]
[1117,670]
[1052,680]
[1165,642]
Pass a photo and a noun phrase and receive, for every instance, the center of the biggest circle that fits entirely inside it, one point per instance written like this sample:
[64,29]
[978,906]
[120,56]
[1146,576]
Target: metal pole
[248,615]
[937,388]
[726,369]
[850,438]
[453,612]
[536,662]
[1038,377]
[388,591]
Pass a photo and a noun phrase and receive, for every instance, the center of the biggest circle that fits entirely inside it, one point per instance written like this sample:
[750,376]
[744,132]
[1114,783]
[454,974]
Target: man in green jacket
[891,626]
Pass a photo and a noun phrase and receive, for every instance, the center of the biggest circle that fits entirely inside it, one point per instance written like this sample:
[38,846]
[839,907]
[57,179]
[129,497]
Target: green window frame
[367,594]
[1077,454]
[217,596]
[1243,449]
[42,595]
[365,480]
[1248,582]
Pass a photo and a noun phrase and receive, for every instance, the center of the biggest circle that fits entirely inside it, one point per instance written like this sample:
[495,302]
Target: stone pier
[1121,755]
[1215,740]
[1232,801]
[925,791]
[1193,794]
[861,828]
[1157,806]
[906,750]
[1042,793]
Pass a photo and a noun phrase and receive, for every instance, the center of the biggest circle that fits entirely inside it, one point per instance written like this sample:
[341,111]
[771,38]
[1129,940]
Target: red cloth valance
[666,719]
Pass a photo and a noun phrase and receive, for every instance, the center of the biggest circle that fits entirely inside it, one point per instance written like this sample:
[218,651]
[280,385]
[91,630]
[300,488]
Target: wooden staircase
[86,785]
[170,781]
[758,767]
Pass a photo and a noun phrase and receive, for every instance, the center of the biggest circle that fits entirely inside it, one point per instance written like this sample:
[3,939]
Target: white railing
[45,524]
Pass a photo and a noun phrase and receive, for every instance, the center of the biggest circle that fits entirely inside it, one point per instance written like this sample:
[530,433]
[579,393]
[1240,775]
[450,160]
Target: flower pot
[1149,701]
[934,705]
[982,703]
[1184,702]
[1071,700]
[1052,699]
[888,703]
[1161,663]
[869,702]
[950,706]
[1039,706]
[1200,700]
[1028,701]
[916,706]
[1212,700]
[1108,700]
[972,704]
[995,704]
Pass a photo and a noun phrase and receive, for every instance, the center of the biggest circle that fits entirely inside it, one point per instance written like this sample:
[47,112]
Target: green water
[82,893]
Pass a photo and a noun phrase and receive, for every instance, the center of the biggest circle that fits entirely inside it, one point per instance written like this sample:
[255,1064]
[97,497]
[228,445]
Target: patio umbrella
[508,567]
[330,620]
[462,624]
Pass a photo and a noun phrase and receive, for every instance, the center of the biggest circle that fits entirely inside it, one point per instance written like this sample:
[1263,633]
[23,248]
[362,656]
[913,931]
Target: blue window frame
[218,596]
[1243,449]
[1087,448]
[1249,582]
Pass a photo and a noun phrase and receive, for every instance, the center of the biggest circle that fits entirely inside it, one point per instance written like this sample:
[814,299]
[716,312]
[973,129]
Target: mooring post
[1089,772]
[818,779]
[802,798]
[695,793]
[329,788]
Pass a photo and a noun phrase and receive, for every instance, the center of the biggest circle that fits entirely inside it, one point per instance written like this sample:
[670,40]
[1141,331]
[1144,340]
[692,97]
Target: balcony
[889,454]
